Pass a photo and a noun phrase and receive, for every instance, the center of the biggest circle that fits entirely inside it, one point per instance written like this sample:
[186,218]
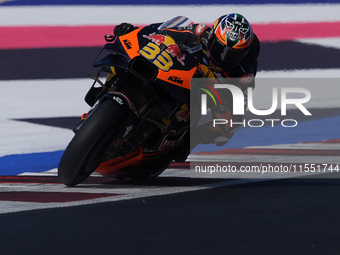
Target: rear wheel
[86,150]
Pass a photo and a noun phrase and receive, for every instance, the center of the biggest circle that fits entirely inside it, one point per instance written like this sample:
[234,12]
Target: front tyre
[85,152]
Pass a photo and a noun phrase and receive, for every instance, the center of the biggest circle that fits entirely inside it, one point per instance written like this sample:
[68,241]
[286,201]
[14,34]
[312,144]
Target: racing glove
[123,29]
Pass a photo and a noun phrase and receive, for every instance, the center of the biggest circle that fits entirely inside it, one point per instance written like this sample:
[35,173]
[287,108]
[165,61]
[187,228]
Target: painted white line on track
[115,14]
[129,192]
[331,42]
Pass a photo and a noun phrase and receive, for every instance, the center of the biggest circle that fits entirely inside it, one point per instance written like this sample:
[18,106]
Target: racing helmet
[229,41]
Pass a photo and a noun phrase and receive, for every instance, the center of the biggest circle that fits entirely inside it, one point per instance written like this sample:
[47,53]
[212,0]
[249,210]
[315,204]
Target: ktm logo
[175,79]
[127,44]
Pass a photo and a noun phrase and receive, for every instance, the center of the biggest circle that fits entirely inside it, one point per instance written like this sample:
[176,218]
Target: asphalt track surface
[292,216]
[194,215]
[49,63]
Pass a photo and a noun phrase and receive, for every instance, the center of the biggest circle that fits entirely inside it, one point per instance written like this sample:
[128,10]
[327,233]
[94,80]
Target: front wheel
[85,152]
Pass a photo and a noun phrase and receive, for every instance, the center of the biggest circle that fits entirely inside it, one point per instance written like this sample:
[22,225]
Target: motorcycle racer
[230,50]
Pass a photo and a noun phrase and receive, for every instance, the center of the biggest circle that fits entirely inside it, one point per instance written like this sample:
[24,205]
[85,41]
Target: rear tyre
[85,152]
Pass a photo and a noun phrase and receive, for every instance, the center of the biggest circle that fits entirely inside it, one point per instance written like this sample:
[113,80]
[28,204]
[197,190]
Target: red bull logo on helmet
[172,47]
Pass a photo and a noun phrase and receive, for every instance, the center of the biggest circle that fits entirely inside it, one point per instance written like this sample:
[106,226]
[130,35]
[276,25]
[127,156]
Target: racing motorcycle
[139,116]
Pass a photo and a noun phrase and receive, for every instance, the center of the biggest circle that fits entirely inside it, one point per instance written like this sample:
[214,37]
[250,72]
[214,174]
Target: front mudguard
[132,121]
[124,102]
[118,98]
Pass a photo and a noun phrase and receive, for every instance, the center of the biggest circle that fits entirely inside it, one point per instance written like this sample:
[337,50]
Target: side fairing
[174,65]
